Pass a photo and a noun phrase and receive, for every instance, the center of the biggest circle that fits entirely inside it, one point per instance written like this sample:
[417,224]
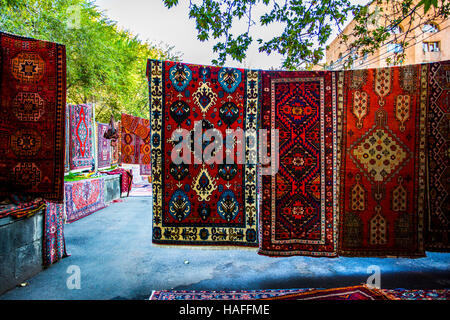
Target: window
[430,27]
[431,46]
[395,47]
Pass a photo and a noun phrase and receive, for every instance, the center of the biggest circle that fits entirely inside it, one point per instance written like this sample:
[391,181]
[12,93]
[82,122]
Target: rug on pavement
[361,292]
[298,211]
[84,197]
[194,202]
[32,112]
[221,295]
[408,294]
[383,161]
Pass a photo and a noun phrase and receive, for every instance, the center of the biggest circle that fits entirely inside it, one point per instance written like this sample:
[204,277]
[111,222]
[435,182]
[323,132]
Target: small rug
[196,203]
[299,203]
[221,295]
[81,137]
[126,179]
[383,169]
[361,292]
[54,245]
[103,147]
[437,222]
[83,198]
[32,108]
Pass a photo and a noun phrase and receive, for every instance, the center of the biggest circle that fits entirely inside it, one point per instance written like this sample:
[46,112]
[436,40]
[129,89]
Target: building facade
[427,41]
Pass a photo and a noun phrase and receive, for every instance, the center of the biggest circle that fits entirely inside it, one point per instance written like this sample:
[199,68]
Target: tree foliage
[307,26]
[105,65]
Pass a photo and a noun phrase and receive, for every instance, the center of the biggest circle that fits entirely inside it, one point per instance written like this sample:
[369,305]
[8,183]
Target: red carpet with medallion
[383,161]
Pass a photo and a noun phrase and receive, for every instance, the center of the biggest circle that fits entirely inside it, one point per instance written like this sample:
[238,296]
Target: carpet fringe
[205,247]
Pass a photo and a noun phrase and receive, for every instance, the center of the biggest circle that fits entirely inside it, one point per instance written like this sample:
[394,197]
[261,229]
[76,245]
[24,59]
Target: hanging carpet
[32,112]
[81,137]
[135,141]
[54,245]
[104,147]
[382,199]
[299,209]
[437,222]
[198,203]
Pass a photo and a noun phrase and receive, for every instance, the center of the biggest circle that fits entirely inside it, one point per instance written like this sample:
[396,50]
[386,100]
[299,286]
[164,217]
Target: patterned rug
[298,215]
[32,102]
[406,294]
[115,147]
[54,245]
[221,295]
[349,293]
[437,222]
[83,198]
[135,140]
[67,140]
[199,203]
[126,180]
[383,167]
[19,207]
[104,147]
[360,292]
[81,137]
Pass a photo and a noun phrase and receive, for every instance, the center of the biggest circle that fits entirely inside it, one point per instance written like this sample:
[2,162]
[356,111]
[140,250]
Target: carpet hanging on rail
[81,137]
[84,197]
[32,102]
[383,161]
[299,212]
[135,142]
[104,147]
[67,141]
[116,146]
[199,203]
[437,222]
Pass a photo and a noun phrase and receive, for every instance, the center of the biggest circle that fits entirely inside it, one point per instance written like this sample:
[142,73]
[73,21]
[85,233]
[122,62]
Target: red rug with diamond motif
[299,212]
[81,130]
[383,161]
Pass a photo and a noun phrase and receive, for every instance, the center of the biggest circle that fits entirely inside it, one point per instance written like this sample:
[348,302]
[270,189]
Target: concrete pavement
[112,249]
